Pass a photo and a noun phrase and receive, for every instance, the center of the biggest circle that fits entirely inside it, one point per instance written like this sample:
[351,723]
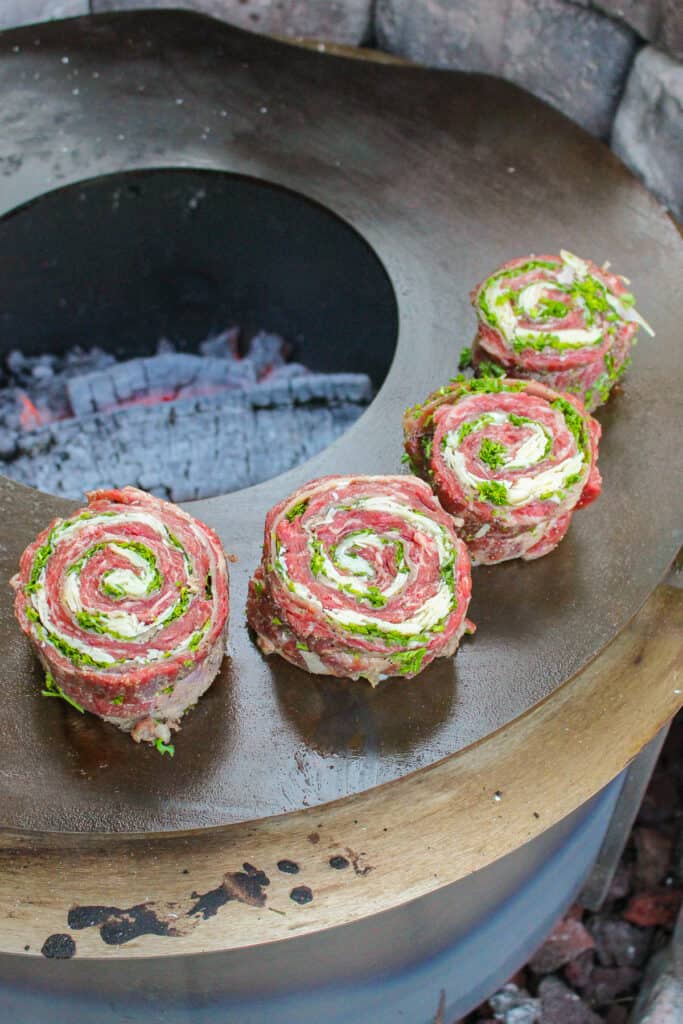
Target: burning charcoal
[223,346]
[271,391]
[181,425]
[332,387]
[288,371]
[42,371]
[266,352]
[8,443]
[15,361]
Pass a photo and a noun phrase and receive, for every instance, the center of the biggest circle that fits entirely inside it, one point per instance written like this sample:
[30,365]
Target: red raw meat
[362,577]
[511,460]
[530,311]
[126,604]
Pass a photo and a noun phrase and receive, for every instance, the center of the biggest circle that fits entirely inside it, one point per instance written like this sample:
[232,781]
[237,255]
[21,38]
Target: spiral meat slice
[126,604]
[511,459]
[560,320]
[362,577]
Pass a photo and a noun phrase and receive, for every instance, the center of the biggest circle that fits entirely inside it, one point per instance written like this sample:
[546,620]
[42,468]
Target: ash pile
[180,425]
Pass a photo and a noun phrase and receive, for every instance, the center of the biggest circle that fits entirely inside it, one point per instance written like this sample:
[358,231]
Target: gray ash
[180,425]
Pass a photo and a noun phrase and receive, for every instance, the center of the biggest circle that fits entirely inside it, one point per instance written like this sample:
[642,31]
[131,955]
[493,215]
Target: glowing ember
[30,417]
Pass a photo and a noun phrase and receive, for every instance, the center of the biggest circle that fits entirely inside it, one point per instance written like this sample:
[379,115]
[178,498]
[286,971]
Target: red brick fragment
[653,856]
[658,906]
[578,972]
[567,941]
[618,943]
[616,1014]
[607,983]
[559,1005]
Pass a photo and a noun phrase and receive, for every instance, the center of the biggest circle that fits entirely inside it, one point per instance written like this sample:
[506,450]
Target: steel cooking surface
[446,176]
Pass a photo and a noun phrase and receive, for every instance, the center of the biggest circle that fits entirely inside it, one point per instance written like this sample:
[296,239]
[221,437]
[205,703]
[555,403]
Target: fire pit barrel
[317,849]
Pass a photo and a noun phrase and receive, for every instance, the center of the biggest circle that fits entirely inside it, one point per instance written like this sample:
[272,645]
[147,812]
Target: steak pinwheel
[361,577]
[511,459]
[561,320]
[126,604]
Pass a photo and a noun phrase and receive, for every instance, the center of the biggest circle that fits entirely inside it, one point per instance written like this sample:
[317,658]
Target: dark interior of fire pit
[290,309]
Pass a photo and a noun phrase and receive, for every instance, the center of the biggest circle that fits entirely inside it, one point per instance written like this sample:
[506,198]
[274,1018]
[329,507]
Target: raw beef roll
[362,577]
[126,603]
[511,459]
[558,319]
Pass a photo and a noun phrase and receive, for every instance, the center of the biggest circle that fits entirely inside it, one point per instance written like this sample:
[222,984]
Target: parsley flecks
[494,492]
[492,453]
[553,308]
[575,423]
[488,369]
[53,690]
[118,700]
[300,646]
[39,562]
[465,359]
[409,662]
[297,510]
[317,558]
[198,636]
[96,622]
[427,445]
[164,748]
[593,293]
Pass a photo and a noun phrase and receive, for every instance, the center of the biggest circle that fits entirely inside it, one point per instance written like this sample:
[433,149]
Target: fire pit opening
[191,332]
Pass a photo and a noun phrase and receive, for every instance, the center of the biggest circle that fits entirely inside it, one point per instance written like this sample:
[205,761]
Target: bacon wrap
[557,319]
[362,577]
[126,603]
[511,459]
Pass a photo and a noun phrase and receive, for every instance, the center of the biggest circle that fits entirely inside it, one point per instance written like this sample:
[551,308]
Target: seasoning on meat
[511,459]
[362,577]
[561,320]
[126,604]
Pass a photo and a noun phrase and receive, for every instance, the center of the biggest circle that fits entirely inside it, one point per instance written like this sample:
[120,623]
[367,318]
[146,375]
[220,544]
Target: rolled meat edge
[126,604]
[512,460]
[361,577]
[560,320]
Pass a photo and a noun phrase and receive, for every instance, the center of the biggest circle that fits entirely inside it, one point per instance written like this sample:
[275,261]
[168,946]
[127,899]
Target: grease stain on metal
[119,925]
[301,894]
[58,947]
[245,886]
[289,867]
[360,869]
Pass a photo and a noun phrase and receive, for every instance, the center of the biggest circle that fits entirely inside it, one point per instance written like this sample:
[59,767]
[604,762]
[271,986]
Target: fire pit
[203,415]
[497,776]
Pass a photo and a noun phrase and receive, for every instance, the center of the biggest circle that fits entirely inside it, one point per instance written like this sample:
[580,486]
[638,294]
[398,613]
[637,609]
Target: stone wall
[614,66]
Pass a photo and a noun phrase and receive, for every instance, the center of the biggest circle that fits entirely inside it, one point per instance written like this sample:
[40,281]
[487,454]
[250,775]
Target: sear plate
[445,176]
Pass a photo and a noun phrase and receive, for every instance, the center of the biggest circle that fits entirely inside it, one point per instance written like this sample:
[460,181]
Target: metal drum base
[450,948]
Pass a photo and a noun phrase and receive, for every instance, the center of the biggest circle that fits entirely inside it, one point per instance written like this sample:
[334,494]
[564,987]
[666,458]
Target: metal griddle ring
[417,163]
